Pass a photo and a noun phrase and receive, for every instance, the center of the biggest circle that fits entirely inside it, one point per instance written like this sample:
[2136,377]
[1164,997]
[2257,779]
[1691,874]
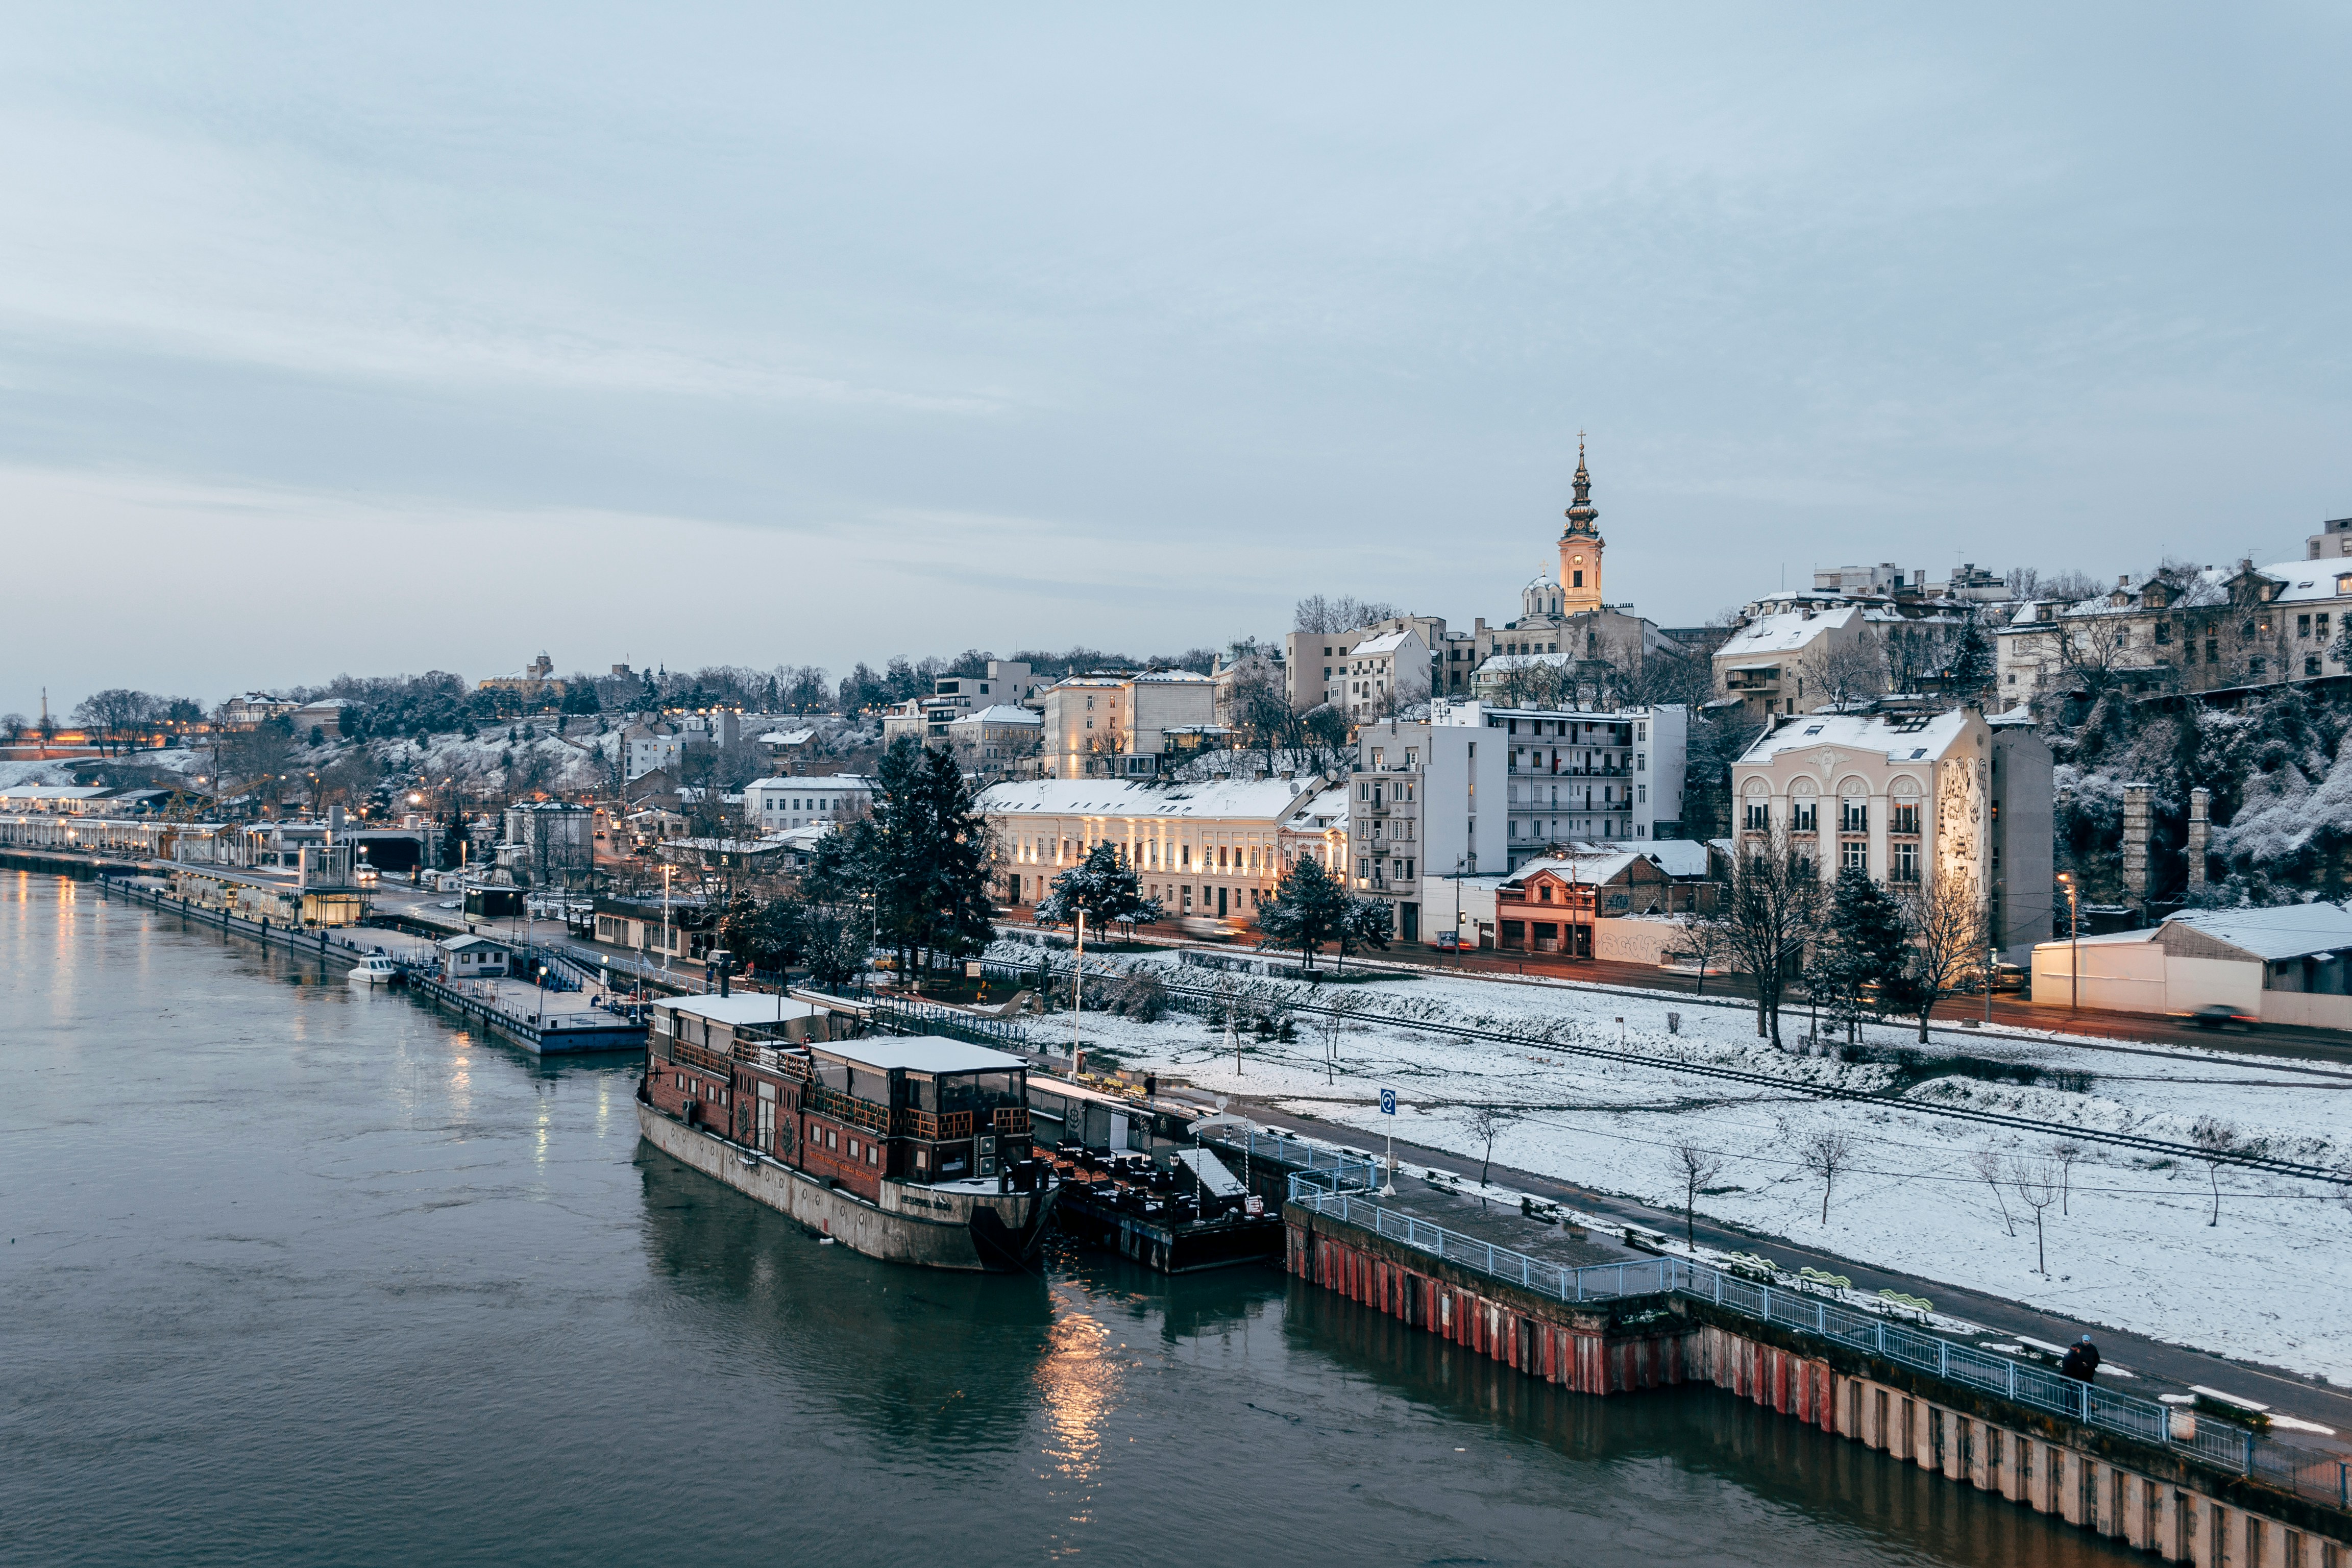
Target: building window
[2212,650]
[1580,579]
[1907,861]
[1854,817]
[2258,667]
[1759,817]
[2302,626]
[2311,664]
[1853,855]
[1907,818]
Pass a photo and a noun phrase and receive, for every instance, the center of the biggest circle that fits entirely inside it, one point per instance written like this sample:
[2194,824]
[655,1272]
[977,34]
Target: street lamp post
[2074,938]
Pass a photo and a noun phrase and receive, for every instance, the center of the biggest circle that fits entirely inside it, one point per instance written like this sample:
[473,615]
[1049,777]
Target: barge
[1135,1179]
[913,1148]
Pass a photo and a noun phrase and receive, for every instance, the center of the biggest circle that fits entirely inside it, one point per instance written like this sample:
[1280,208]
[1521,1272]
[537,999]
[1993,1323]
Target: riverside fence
[2322,1476]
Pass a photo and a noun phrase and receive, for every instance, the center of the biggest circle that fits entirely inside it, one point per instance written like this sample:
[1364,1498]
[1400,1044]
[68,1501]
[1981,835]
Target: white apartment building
[780,804]
[1207,849]
[998,739]
[1003,682]
[649,746]
[1122,725]
[1579,775]
[1414,817]
[1383,674]
[1909,798]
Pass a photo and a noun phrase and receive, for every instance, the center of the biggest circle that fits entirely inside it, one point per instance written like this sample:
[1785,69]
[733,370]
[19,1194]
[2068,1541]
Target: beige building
[1774,663]
[1903,799]
[1209,849]
[2190,631]
[1910,799]
[1125,725]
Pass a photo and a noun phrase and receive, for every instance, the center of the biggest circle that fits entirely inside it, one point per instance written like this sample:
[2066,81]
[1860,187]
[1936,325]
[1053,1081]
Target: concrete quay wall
[2146,1497]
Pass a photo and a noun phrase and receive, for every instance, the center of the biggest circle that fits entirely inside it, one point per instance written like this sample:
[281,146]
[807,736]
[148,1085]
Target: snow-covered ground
[2132,1247]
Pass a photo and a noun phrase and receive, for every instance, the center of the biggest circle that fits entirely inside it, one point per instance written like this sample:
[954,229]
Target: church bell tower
[1580,545]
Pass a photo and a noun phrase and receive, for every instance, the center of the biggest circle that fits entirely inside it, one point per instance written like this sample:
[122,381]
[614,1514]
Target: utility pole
[1077,992]
[2073,937]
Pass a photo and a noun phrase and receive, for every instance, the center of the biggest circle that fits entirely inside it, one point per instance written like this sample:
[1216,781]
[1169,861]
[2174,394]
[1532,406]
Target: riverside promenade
[1530,1288]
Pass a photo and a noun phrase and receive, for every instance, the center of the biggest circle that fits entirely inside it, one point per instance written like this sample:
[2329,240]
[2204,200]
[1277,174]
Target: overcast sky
[394,338]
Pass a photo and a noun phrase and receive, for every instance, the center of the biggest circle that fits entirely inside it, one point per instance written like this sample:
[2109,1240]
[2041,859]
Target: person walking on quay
[2081,1360]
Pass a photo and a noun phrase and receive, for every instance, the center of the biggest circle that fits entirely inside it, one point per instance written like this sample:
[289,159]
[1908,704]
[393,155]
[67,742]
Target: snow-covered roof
[749,1008]
[1327,809]
[1504,663]
[918,1053]
[1787,633]
[2276,932]
[466,943]
[1901,737]
[1387,642]
[1541,579]
[787,737]
[1261,799]
[999,714]
[813,780]
[1675,857]
[1592,868]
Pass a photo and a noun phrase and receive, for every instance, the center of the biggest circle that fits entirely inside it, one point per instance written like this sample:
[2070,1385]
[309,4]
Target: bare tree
[2065,1152]
[1843,673]
[1485,1122]
[1986,1163]
[2039,1185]
[2215,1140]
[1342,612]
[1695,1167]
[1825,1154]
[1948,940]
[1769,915]
[1709,940]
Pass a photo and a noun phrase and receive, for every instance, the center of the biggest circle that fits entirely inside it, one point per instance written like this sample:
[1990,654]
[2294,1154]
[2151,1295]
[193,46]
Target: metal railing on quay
[2223,1444]
[1330,1168]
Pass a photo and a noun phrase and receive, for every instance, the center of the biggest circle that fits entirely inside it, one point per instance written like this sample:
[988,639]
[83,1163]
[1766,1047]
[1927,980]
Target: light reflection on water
[301,1274]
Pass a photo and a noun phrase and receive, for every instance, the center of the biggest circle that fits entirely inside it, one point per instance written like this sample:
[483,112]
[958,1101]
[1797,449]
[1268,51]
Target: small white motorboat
[376,969]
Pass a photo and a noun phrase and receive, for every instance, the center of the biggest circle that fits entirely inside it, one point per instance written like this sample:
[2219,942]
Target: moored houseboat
[914,1149]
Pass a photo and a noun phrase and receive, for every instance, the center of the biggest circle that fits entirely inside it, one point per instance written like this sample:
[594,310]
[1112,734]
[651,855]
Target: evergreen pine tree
[1863,944]
[1309,907]
[1366,924]
[1103,887]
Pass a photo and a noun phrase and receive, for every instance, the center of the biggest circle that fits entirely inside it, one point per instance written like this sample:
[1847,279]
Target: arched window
[1853,806]
[1758,799]
[1804,806]
[1904,803]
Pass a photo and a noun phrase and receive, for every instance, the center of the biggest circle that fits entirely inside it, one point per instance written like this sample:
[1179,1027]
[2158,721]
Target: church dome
[1541,580]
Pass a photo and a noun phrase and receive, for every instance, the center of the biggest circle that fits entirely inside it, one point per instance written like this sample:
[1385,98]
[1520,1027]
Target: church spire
[1584,514]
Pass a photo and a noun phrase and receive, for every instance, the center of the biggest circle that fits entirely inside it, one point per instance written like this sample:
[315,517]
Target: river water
[299,1274]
